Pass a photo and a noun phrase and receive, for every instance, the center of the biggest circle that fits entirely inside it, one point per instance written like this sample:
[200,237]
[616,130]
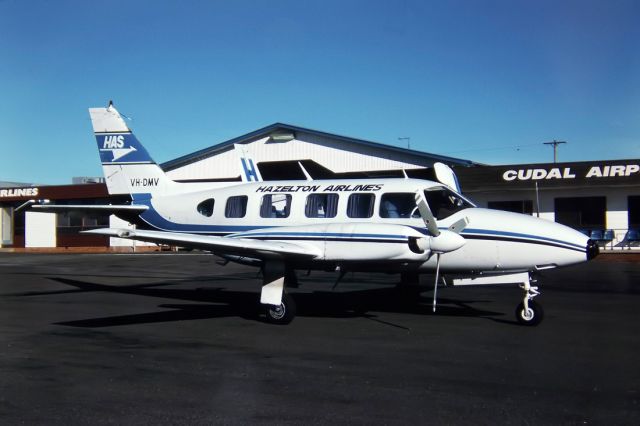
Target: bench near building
[601,198]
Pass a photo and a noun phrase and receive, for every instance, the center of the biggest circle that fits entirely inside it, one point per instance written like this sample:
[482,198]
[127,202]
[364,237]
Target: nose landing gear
[529,312]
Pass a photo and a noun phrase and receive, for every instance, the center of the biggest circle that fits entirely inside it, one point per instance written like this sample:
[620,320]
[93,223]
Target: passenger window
[236,206]
[205,208]
[360,205]
[321,205]
[398,205]
[275,205]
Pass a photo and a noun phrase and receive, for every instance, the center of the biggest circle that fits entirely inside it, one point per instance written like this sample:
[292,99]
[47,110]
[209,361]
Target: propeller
[441,241]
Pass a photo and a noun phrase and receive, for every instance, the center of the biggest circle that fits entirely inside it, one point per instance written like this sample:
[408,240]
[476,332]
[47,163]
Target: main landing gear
[279,307]
[283,313]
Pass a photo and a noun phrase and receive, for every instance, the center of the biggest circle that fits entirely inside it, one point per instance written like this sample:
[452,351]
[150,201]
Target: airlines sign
[19,192]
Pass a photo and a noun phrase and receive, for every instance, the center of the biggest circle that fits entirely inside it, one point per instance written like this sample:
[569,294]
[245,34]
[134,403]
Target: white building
[278,148]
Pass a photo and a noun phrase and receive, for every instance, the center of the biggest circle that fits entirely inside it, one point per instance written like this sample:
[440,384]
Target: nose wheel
[529,315]
[529,312]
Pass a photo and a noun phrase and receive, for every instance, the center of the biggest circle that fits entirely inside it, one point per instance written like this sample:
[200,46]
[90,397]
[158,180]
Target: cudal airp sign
[557,173]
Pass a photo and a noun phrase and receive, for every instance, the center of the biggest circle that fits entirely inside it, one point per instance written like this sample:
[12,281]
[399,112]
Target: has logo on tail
[115,145]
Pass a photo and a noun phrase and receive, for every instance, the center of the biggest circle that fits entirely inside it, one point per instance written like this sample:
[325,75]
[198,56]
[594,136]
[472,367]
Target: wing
[222,245]
[111,209]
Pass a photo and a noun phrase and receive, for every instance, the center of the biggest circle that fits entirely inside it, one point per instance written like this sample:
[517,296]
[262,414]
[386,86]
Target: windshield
[443,202]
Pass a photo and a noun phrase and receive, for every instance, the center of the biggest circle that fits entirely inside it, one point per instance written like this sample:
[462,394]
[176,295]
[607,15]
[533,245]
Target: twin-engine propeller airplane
[406,226]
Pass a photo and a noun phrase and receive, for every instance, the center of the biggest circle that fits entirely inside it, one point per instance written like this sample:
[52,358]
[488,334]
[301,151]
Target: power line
[496,148]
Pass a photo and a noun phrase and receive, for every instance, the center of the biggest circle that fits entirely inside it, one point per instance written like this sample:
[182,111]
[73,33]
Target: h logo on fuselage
[249,170]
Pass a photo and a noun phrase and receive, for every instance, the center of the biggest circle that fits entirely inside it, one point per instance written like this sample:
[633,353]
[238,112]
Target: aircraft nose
[592,249]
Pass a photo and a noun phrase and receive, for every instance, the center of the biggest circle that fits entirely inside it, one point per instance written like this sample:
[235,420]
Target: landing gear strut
[529,312]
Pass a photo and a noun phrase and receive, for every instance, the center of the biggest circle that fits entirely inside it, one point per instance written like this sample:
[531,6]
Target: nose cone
[526,242]
[592,249]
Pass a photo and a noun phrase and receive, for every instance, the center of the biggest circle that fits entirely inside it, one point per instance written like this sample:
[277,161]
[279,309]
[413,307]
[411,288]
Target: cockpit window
[443,202]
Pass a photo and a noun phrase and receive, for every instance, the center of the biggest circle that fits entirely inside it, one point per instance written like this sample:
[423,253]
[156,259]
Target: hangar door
[581,212]
[634,212]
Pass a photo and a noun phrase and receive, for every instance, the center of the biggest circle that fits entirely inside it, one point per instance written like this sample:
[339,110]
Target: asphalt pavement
[175,339]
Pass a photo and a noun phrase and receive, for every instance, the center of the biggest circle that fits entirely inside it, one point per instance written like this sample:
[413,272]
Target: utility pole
[408,139]
[555,144]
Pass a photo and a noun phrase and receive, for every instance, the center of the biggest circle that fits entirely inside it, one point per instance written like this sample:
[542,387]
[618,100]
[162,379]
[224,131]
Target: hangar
[279,147]
[601,198]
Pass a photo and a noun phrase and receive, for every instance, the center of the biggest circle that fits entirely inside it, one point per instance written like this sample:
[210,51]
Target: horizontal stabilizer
[220,245]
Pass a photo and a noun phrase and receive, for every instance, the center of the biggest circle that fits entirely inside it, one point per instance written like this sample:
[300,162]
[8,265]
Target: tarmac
[175,339]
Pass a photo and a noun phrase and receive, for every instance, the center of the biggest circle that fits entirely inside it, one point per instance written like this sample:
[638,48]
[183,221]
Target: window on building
[360,205]
[581,212]
[634,212]
[520,206]
[236,206]
[321,205]
[72,222]
[275,205]
[398,205]
[205,208]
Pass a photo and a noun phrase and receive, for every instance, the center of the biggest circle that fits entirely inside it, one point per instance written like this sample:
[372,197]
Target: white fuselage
[350,222]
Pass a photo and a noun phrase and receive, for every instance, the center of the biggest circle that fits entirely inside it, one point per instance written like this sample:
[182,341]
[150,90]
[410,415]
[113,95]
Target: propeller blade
[426,214]
[435,284]
[459,225]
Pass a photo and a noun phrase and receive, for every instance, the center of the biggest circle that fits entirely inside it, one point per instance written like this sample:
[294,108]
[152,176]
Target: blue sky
[488,81]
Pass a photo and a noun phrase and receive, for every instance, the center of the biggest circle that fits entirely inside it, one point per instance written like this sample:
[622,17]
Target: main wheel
[283,313]
[531,316]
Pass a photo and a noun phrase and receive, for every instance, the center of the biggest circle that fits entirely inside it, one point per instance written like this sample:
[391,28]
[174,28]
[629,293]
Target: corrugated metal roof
[266,131]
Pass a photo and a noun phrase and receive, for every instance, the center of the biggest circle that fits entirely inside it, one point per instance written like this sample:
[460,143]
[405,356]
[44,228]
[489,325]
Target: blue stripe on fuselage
[154,219]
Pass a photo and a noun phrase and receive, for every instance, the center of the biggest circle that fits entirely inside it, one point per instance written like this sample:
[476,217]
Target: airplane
[390,225]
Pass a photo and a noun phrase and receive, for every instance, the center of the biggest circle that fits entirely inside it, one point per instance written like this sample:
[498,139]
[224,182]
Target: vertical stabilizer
[128,168]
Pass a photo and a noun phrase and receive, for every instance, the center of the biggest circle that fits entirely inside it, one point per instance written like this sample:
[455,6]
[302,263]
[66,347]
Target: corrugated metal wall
[335,155]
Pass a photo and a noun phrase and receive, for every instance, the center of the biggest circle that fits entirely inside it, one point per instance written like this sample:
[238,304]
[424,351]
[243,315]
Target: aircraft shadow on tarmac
[218,302]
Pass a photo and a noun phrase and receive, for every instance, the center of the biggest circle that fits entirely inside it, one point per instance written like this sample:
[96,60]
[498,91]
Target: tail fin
[248,169]
[127,166]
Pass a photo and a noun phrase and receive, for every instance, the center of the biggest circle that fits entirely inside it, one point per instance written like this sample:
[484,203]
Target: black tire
[283,314]
[536,314]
